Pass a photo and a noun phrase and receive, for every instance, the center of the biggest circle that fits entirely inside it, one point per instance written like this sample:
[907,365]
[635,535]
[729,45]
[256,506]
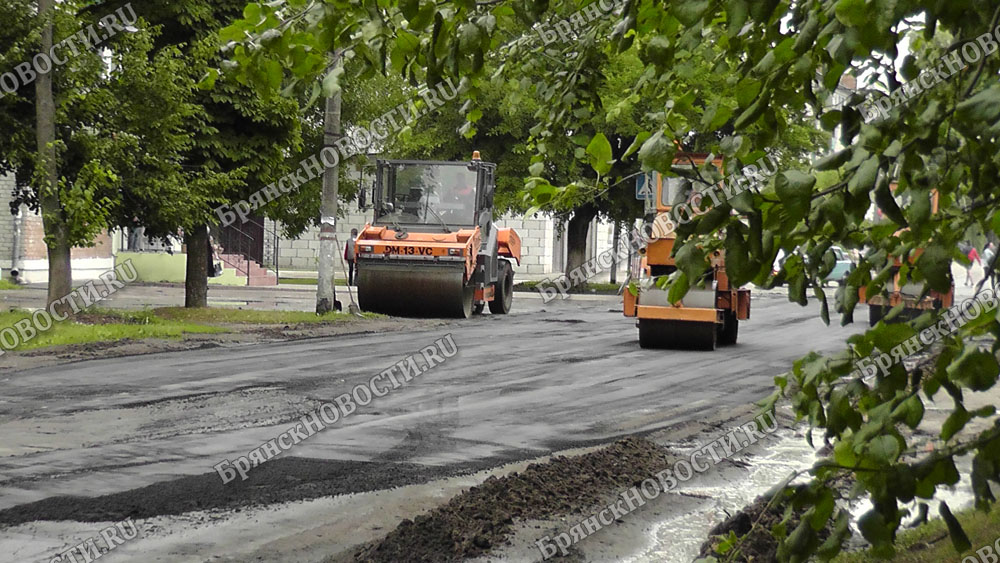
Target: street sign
[644,187]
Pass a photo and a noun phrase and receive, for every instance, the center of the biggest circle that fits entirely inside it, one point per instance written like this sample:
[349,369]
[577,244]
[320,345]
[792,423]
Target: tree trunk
[196,278]
[53,216]
[326,292]
[576,242]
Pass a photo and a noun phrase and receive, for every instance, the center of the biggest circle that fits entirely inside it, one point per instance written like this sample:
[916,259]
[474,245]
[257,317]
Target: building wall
[538,239]
[171,268]
[88,263]
[303,253]
[6,222]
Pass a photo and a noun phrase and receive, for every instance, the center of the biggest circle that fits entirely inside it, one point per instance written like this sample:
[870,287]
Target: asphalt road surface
[544,378]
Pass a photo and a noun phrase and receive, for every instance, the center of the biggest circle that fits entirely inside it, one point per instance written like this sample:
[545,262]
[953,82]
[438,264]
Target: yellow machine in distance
[703,317]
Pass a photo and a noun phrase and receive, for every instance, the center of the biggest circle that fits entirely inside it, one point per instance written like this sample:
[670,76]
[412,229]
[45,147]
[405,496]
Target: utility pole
[615,241]
[326,292]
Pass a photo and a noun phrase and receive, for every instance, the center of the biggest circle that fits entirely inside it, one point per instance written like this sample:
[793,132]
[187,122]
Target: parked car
[842,267]
[837,274]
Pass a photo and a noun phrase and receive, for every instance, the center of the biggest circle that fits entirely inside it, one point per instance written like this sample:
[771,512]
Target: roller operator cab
[432,248]
[711,310]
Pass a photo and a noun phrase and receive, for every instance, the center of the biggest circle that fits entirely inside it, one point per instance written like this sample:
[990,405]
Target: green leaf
[599,150]
[657,153]
[425,15]
[864,178]
[794,188]
[955,422]
[637,143]
[841,530]
[910,411]
[887,335]
[807,36]
[738,266]
[833,161]
[976,369]
[658,51]
[690,12]
[958,538]
[984,107]
[736,14]
[208,81]
[470,37]
[750,115]
[731,144]
[802,541]
[831,119]
[678,288]
[884,448]
[691,260]
[875,528]
[851,12]
[252,13]
[409,8]
[406,41]
[909,68]
[747,90]
[887,203]
[935,265]
[822,509]
[722,115]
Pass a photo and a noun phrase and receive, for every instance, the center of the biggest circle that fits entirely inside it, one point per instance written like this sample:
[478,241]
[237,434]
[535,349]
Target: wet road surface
[546,377]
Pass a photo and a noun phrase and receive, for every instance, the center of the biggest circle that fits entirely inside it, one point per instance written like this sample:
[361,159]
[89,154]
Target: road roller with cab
[432,248]
[711,310]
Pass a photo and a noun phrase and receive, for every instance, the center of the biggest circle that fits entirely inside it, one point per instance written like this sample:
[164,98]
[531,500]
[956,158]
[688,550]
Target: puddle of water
[678,539]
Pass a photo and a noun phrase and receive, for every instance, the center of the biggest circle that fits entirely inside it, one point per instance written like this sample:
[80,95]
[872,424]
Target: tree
[53,218]
[781,62]
[90,134]
[238,138]
[504,119]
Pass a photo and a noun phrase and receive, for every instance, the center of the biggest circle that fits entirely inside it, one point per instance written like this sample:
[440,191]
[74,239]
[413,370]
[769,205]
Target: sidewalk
[270,298]
[303,297]
[602,277]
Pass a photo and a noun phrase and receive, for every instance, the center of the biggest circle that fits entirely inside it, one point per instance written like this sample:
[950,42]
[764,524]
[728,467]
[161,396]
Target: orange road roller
[432,248]
[706,315]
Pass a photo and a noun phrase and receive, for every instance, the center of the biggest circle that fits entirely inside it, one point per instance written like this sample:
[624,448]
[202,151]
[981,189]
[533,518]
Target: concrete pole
[615,241]
[326,292]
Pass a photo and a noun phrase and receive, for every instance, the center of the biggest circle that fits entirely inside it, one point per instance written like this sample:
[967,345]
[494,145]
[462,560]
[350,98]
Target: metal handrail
[242,250]
[274,247]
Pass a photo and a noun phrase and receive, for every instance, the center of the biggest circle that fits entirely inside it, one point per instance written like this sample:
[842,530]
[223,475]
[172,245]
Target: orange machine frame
[658,252]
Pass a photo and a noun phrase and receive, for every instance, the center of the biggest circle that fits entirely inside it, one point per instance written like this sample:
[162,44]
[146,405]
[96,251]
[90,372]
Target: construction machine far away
[432,248]
[711,310]
[899,292]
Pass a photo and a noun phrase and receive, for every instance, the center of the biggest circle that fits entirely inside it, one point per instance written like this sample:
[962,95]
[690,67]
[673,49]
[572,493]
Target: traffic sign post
[644,186]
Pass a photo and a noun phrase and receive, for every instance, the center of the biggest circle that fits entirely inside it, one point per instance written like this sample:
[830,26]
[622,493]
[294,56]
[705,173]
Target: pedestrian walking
[973,259]
[989,254]
[349,257]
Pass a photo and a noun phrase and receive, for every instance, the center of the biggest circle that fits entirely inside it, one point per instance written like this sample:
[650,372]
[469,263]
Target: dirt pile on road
[479,519]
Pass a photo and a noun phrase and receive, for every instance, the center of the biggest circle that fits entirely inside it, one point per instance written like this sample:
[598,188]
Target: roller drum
[414,290]
[657,333]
